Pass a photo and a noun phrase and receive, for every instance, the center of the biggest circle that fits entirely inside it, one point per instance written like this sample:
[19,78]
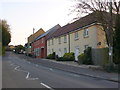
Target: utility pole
[110,36]
[33,42]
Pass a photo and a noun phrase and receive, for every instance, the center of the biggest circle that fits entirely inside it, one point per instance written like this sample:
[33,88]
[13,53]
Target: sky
[24,15]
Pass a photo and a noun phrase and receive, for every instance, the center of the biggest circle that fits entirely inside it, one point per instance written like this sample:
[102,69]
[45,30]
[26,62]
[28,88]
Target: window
[52,50]
[42,40]
[60,53]
[76,35]
[65,39]
[52,41]
[49,43]
[48,51]
[65,50]
[85,33]
[59,40]
[86,46]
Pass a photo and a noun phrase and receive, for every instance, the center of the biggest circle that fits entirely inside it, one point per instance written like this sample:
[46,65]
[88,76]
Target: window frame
[76,35]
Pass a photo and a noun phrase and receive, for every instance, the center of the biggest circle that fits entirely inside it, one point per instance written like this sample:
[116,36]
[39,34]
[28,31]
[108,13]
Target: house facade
[30,39]
[40,43]
[76,37]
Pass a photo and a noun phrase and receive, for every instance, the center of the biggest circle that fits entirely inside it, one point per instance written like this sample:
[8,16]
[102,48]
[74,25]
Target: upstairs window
[76,35]
[65,39]
[52,41]
[42,40]
[49,43]
[59,40]
[85,34]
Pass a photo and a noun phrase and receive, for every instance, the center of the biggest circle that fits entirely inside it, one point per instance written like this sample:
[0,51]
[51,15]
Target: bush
[67,57]
[51,56]
[86,57]
[81,58]
[60,59]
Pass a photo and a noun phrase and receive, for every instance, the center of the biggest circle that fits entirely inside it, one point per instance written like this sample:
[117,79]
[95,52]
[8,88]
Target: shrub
[60,59]
[67,57]
[51,56]
[81,58]
[86,57]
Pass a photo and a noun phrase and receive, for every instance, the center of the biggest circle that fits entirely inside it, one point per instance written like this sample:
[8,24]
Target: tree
[6,35]
[19,48]
[101,7]
[116,43]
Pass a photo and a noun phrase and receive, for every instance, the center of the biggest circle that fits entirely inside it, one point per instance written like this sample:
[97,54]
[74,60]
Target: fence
[100,56]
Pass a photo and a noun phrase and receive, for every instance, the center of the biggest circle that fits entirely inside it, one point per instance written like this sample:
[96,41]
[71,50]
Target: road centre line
[46,86]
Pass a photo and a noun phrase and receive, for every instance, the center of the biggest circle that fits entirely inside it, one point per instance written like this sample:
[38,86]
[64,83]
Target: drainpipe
[69,41]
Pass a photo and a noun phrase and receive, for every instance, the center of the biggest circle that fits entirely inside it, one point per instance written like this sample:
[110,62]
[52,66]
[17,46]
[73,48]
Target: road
[20,73]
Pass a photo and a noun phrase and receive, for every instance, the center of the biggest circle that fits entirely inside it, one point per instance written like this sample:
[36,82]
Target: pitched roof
[84,21]
[49,32]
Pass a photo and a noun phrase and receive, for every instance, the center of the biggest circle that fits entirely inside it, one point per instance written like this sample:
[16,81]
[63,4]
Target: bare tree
[105,13]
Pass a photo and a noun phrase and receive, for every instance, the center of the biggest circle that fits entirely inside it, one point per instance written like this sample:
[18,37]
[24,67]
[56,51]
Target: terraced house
[31,39]
[77,36]
[40,44]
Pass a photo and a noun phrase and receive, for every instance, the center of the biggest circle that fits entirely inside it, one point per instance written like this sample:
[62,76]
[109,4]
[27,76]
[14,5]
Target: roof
[49,32]
[84,21]
[36,34]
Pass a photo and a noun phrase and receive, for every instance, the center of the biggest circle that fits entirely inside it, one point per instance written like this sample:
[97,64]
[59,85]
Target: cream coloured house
[76,37]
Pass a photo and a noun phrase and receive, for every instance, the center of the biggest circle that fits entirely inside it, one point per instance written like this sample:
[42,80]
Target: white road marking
[27,77]
[12,64]
[51,69]
[28,74]
[36,65]
[46,86]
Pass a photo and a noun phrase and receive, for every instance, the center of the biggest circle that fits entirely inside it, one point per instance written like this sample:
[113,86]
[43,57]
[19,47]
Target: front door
[77,52]
[42,52]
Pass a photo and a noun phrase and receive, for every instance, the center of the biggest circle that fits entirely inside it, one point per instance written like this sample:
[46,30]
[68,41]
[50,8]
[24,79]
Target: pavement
[94,71]
[74,67]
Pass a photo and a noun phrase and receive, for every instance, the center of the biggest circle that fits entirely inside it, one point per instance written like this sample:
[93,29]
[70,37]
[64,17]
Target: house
[40,43]
[77,36]
[31,39]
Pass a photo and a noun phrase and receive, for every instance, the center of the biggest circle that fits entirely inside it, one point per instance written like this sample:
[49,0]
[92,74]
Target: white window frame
[65,38]
[49,43]
[85,33]
[86,46]
[59,40]
[65,50]
[76,35]
[52,41]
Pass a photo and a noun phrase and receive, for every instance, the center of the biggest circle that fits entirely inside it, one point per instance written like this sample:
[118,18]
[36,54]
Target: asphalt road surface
[20,73]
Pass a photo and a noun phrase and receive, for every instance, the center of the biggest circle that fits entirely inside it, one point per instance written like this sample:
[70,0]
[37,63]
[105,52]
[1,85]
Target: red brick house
[40,44]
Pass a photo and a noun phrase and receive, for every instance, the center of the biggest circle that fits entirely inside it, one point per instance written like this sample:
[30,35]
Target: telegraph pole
[33,41]
[111,36]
